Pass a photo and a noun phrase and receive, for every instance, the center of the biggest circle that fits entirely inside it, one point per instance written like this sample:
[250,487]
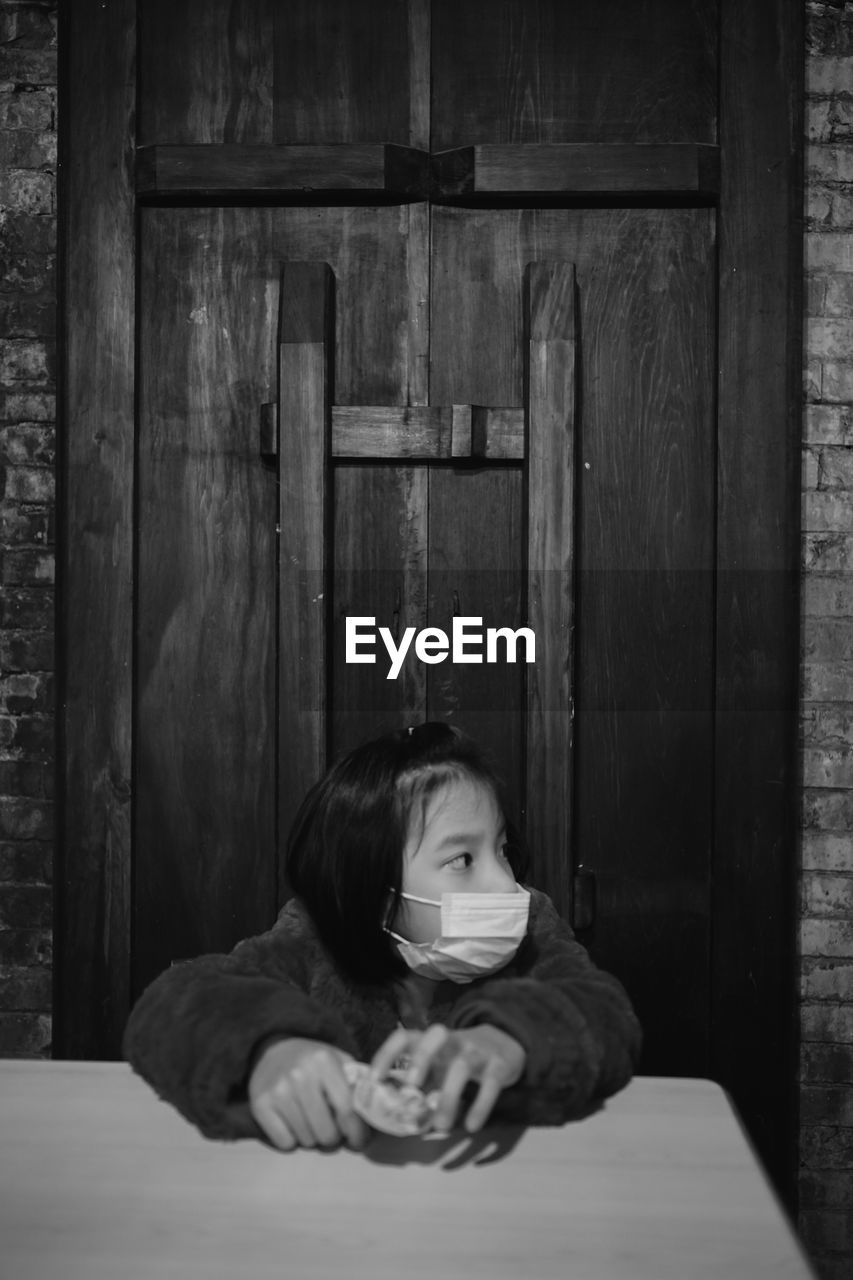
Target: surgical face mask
[480,933]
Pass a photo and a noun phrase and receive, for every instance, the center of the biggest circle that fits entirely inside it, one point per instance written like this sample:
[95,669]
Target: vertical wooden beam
[96,516]
[754,936]
[306,380]
[549,411]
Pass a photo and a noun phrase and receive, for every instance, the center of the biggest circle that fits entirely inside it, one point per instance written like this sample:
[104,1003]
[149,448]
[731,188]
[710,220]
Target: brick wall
[27,448]
[826,1137]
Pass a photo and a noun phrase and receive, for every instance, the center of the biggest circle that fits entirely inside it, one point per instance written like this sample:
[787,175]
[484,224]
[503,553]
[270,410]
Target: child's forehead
[463,803]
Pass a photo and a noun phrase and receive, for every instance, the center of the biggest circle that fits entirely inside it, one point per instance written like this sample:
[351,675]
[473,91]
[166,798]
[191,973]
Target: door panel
[645,597]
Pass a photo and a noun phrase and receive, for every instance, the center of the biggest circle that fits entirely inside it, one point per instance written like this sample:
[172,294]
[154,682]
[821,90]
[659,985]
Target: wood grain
[550,394]
[380,541]
[426,432]
[579,168]
[96,546]
[206,71]
[306,371]
[513,71]
[644,576]
[236,171]
[754,955]
[205,712]
[343,72]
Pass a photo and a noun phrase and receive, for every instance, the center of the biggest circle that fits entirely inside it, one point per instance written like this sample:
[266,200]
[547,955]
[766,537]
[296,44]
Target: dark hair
[345,849]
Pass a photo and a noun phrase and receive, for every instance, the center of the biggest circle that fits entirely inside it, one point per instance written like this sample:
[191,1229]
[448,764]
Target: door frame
[753,963]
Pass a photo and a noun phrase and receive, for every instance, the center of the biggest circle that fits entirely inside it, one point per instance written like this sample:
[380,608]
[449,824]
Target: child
[409,935]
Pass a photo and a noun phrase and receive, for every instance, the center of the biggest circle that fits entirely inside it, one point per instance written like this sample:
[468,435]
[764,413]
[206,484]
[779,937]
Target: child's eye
[504,851]
[461,862]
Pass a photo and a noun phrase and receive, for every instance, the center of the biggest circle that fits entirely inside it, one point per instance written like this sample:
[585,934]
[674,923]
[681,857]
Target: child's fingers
[339,1095]
[487,1096]
[457,1076]
[285,1102]
[386,1054]
[429,1045]
[278,1132]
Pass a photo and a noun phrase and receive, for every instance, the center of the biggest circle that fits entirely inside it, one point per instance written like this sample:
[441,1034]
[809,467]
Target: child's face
[460,849]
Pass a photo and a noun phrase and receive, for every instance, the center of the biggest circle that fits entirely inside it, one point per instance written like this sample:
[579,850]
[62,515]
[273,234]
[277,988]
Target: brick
[825,894]
[822,851]
[22,316]
[30,484]
[28,66]
[829,251]
[27,406]
[26,108]
[829,552]
[824,163]
[28,149]
[24,819]
[27,651]
[25,1035]
[810,469]
[26,778]
[830,1023]
[823,979]
[27,608]
[28,568]
[837,381]
[830,337]
[838,296]
[828,767]
[812,380]
[25,906]
[821,1191]
[35,736]
[827,724]
[828,424]
[819,120]
[835,468]
[26,862]
[23,526]
[28,26]
[26,360]
[827,640]
[828,76]
[26,693]
[827,1230]
[826,1147]
[26,989]
[818,208]
[26,946]
[830,1063]
[827,681]
[831,938]
[815,296]
[826,1105]
[28,444]
[28,191]
[827,510]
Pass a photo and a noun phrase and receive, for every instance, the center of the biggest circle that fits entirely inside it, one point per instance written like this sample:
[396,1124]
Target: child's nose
[499,879]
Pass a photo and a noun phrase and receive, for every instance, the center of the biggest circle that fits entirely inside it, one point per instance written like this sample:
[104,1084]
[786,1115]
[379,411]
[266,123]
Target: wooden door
[428,152]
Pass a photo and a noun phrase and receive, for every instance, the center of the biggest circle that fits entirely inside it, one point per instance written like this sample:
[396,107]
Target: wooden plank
[204,830]
[476,570]
[760,359]
[206,71]
[513,71]
[380,548]
[343,72]
[418,298]
[96,548]
[644,582]
[576,168]
[550,395]
[306,354]
[237,171]
[420,49]
[427,432]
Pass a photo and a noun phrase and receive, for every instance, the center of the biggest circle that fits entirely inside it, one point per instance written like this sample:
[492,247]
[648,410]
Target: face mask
[480,933]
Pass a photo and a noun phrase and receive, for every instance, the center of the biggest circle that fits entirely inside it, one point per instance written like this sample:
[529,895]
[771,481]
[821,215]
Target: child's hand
[299,1096]
[453,1059]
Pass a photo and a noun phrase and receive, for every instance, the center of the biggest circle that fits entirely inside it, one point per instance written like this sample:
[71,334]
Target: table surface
[100,1179]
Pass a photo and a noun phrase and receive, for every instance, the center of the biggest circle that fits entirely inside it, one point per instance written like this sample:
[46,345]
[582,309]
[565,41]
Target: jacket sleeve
[194,1030]
[574,1021]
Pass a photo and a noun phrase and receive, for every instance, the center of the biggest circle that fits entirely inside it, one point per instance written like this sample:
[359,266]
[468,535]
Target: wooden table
[99,1180]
